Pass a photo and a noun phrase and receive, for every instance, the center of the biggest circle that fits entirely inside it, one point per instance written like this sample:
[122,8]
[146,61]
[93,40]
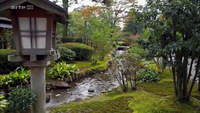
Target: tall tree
[174,33]
[66,4]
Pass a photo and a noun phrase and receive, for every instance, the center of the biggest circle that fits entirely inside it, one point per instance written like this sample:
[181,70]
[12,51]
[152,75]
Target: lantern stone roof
[61,13]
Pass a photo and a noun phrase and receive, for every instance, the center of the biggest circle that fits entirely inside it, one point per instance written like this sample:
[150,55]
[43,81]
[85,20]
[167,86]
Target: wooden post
[38,87]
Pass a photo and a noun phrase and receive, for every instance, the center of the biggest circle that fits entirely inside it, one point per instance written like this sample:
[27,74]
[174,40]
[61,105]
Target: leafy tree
[174,35]
[133,27]
[76,26]
[101,31]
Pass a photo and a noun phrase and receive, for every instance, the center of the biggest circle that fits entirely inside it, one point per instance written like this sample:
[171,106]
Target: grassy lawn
[149,98]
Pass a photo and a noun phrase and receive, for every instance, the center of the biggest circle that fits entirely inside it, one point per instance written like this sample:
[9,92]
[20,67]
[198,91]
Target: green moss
[139,101]
[83,64]
[165,86]
[145,102]
[119,105]
[89,68]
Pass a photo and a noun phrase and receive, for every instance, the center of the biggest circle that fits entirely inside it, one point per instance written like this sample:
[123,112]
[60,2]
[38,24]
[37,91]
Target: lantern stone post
[34,27]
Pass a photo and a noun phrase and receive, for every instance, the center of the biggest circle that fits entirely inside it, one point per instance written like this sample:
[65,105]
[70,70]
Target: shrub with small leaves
[66,54]
[20,100]
[149,75]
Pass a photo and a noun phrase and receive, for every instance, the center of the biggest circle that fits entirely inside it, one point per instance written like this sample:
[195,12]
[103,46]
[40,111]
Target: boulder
[59,84]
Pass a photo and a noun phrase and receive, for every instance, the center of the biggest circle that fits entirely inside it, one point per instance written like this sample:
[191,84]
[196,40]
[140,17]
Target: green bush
[20,100]
[137,50]
[19,77]
[66,40]
[83,52]
[3,104]
[149,75]
[63,70]
[66,54]
[5,65]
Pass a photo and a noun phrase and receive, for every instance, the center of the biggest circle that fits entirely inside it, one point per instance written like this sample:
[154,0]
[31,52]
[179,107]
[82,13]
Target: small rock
[99,79]
[90,95]
[58,95]
[90,90]
[112,84]
[104,91]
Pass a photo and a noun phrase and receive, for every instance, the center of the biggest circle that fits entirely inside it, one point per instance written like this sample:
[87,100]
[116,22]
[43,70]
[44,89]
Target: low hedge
[83,52]
[5,65]
[66,54]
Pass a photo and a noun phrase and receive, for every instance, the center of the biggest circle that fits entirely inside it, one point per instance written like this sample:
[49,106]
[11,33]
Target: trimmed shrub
[83,52]
[66,54]
[5,65]
[20,100]
[149,75]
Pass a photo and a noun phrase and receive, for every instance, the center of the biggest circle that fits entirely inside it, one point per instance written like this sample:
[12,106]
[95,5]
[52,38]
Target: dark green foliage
[79,40]
[133,27]
[83,52]
[66,54]
[149,75]
[66,40]
[20,100]
[5,65]
[63,70]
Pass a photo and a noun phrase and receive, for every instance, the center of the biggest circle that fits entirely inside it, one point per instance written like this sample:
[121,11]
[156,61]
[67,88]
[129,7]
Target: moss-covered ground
[149,98]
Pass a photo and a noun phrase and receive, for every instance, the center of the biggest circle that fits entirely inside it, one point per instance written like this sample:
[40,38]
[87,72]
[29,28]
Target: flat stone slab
[59,84]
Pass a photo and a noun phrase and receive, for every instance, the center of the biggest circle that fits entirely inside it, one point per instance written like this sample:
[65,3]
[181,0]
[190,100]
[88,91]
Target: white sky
[89,3]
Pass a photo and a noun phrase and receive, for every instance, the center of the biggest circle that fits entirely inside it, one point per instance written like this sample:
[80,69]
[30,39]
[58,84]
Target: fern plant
[62,70]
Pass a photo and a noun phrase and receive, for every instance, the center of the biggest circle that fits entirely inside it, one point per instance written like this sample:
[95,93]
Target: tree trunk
[194,79]
[190,70]
[184,75]
[199,84]
[178,59]
[174,75]
[65,30]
